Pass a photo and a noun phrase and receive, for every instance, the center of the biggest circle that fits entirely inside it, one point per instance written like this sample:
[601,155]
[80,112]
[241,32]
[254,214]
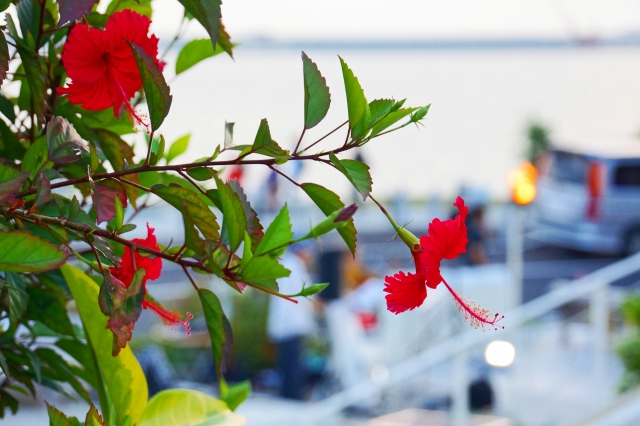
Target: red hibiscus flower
[152,265]
[445,240]
[101,65]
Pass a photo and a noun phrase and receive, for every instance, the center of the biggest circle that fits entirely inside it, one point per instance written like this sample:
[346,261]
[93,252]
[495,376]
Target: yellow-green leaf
[178,407]
[122,375]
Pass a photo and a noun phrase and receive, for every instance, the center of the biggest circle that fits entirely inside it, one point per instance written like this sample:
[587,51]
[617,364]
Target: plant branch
[192,182]
[299,140]
[321,139]
[285,176]
[193,282]
[87,229]
[175,168]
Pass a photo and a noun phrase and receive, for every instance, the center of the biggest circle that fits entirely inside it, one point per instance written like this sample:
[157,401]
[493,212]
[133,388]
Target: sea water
[482,101]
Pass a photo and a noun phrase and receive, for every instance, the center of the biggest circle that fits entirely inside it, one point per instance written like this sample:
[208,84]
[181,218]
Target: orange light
[522,181]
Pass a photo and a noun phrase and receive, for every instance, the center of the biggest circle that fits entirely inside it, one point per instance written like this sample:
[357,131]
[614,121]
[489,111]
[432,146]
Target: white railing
[593,287]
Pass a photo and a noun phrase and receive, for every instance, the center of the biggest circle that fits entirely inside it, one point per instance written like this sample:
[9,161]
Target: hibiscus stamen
[132,110]
[478,317]
[168,317]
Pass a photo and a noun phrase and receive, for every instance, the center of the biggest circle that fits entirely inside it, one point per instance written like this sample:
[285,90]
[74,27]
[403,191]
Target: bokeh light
[500,353]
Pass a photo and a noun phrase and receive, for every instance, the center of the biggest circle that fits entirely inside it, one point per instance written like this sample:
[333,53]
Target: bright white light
[500,353]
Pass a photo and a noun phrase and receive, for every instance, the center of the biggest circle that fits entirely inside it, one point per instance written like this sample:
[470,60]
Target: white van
[589,197]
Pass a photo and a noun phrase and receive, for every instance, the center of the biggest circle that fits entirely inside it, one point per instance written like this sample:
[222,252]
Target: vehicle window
[627,176]
[568,167]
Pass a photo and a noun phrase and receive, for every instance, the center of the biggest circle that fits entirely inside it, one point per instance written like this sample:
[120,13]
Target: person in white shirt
[288,323]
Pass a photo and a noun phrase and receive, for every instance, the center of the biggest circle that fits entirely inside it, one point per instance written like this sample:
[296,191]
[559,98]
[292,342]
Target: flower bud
[337,219]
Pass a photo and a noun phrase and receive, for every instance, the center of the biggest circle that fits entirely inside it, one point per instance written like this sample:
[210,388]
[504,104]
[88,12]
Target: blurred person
[288,323]
[362,290]
[329,266]
[477,232]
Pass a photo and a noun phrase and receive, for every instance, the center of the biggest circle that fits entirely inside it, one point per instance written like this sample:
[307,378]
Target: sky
[414,19]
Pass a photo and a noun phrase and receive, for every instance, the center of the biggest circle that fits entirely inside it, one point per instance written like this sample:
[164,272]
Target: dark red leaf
[10,182]
[72,10]
[43,196]
[4,57]
[104,195]
[122,305]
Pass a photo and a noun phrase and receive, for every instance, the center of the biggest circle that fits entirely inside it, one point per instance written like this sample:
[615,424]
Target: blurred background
[534,120]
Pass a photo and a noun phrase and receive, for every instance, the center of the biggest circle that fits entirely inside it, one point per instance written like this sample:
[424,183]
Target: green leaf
[57,417]
[201,173]
[124,379]
[18,296]
[235,395]
[29,19]
[254,227]
[390,119]
[65,144]
[35,76]
[398,104]
[335,220]
[35,158]
[157,150]
[177,407]
[316,93]
[24,252]
[178,147]
[191,237]
[93,417]
[208,13]
[263,144]
[115,149]
[126,228]
[278,234]
[118,219]
[234,221]
[4,5]
[48,305]
[4,58]
[7,107]
[357,173]
[228,134]
[194,52]
[261,272]
[329,202]
[10,146]
[155,87]
[10,182]
[142,7]
[219,329]
[313,289]
[104,194]
[357,104]
[380,108]
[202,216]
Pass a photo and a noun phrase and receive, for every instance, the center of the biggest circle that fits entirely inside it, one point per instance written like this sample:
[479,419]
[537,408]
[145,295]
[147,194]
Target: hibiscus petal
[152,264]
[430,258]
[101,65]
[406,292]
